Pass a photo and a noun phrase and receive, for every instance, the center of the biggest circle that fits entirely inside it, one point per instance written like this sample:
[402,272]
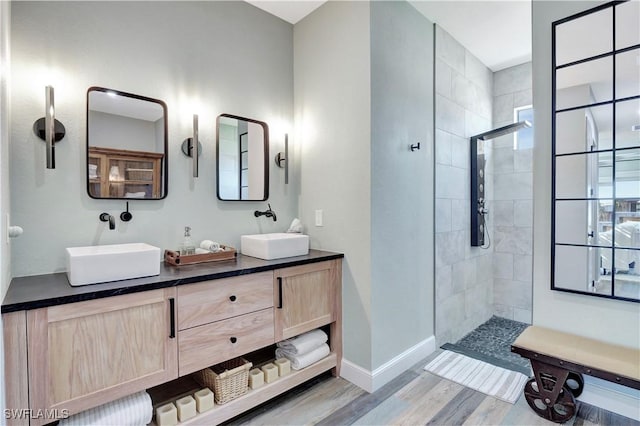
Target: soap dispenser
[187,246]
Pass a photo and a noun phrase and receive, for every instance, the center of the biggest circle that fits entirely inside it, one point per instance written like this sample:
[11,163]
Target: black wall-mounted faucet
[106,217]
[268,213]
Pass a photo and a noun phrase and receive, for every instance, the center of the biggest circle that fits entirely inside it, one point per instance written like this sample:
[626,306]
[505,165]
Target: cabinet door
[85,354]
[133,175]
[305,298]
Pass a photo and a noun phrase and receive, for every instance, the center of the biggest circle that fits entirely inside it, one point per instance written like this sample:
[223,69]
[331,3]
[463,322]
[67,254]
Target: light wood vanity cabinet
[223,319]
[76,356]
[83,354]
[308,297]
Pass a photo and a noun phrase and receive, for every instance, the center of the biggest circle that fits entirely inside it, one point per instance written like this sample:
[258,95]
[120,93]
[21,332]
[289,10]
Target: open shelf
[253,398]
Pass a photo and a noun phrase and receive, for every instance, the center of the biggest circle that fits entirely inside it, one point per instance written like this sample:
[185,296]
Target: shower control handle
[482,210]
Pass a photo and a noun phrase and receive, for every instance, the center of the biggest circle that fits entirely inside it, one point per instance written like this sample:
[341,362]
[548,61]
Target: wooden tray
[176,259]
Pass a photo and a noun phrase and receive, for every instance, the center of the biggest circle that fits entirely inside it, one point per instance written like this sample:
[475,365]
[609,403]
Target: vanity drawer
[210,344]
[216,300]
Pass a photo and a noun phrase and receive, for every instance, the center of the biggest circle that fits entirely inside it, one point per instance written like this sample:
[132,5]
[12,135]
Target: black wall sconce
[478,197]
[48,128]
[284,157]
[191,149]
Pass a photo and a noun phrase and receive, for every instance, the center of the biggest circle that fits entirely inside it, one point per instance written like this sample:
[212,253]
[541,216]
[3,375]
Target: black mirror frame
[265,127]
[554,112]
[165,160]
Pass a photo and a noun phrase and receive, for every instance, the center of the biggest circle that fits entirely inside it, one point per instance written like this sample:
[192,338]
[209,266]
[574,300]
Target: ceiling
[291,11]
[496,32]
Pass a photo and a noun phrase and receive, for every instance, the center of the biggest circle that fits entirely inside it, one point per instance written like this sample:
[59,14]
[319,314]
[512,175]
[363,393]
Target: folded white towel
[132,410]
[140,194]
[300,361]
[296,226]
[304,343]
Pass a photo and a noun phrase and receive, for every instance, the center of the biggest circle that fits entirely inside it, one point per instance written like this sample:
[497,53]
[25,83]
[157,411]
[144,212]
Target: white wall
[332,113]
[5,254]
[256,160]
[229,162]
[207,64]
[120,132]
[611,321]
[5,108]
[402,190]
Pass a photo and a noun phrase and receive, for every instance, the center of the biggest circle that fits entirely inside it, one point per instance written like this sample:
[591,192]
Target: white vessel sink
[99,264]
[274,246]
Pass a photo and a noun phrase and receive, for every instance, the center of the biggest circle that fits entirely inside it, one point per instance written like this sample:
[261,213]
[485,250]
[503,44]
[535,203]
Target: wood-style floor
[414,398]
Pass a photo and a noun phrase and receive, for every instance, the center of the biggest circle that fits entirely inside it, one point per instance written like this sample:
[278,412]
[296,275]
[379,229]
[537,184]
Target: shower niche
[596,152]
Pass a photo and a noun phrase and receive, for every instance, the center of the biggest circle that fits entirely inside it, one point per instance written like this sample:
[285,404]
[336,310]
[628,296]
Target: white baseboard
[357,375]
[618,399]
[372,381]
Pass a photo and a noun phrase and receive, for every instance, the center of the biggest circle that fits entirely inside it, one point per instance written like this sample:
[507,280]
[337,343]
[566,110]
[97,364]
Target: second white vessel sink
[274,246]
[99,264]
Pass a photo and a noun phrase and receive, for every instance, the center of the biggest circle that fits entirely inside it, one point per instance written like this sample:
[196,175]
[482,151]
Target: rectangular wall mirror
[596,152]
[242,167]
[126,145]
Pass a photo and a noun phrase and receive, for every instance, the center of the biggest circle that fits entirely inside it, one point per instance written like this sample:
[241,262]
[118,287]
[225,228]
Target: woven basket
[228,380]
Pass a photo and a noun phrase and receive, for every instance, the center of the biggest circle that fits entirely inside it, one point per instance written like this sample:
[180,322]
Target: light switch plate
[319,218]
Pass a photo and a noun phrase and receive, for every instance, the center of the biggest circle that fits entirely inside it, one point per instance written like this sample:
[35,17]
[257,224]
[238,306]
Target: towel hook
[413,147]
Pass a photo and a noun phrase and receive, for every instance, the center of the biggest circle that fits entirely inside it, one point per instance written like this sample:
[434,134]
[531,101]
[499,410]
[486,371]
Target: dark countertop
[40,291]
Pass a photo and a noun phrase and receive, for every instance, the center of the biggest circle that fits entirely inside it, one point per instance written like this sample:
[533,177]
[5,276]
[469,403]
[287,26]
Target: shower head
[478,193]
[501,131]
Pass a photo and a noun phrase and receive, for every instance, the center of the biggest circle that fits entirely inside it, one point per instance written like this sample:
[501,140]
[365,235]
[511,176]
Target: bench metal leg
[547,394]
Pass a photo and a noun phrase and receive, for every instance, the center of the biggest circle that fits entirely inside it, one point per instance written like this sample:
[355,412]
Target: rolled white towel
[304,343]
[300,361]
[132,410]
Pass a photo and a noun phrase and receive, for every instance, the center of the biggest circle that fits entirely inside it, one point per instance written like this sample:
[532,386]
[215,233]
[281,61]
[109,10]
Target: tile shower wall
[464,274]
[512,200]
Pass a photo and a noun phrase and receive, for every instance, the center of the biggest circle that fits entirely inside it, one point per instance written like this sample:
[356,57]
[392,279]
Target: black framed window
[596,152]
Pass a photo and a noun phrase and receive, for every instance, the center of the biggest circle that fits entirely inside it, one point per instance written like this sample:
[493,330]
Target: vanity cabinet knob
[233,339]
[232,298]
